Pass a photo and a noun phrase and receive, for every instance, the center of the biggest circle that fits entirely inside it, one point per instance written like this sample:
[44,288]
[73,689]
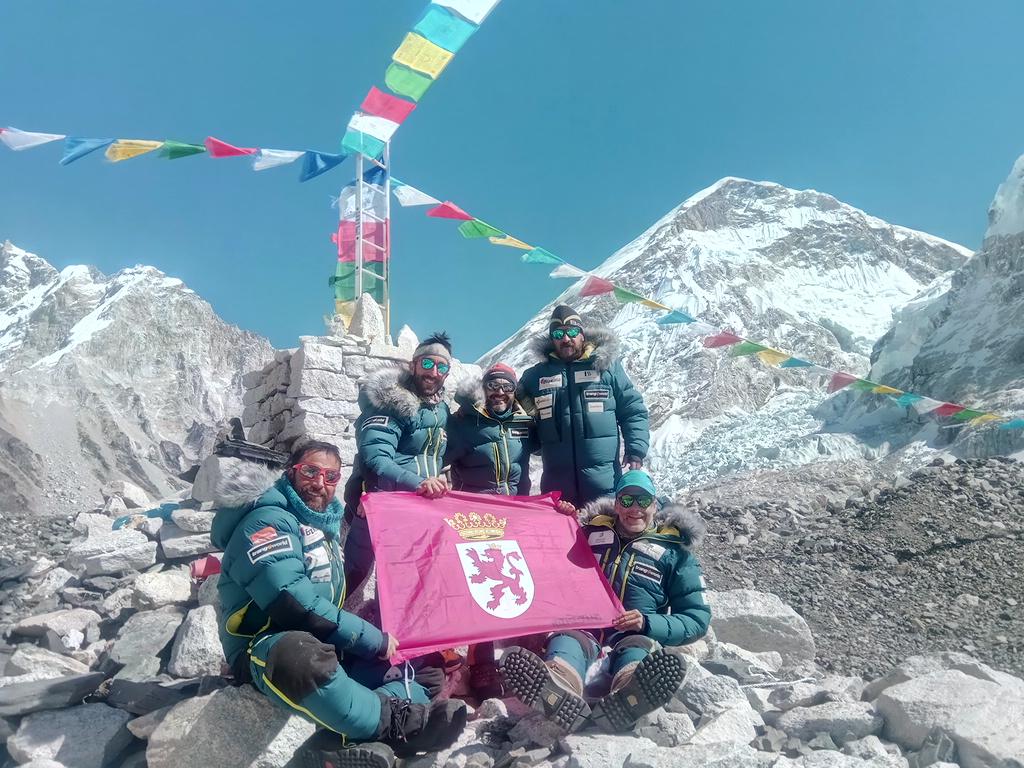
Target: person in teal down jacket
[583,401]
[283,629]
[648,560]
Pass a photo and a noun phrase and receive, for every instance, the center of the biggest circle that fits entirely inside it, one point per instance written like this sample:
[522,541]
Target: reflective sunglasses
[312,471]
[627,500]
[560,333]
[428,364]
[499,386]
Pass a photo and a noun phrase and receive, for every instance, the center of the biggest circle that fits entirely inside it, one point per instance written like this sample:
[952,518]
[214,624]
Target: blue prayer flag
[673,317]
[443,28]
[315,163]
[75,148]
[363,143]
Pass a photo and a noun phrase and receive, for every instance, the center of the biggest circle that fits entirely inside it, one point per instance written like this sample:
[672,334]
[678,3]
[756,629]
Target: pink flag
[947,409]
[374,241]
[723,339]
[468,568]
[449,210]
[385,105]
[839,381]
[218,148]
[596,286]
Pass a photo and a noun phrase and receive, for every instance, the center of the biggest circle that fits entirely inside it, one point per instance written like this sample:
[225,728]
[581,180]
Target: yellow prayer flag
[511,242]
[985,417]
[881,389]
[126,149]
[651,303]
[418,53]
[772,356]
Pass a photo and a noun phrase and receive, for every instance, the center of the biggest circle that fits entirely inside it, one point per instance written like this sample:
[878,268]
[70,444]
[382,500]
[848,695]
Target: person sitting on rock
[648,561]
[281,588]
[400,440]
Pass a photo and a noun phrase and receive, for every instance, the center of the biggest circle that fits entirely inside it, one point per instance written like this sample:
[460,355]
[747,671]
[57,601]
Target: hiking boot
[485,681]
[410,728]
[639,689]
[327,750]
[553,687]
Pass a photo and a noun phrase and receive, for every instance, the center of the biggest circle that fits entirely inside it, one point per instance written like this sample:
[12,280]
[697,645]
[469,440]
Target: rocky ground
[929,562]
[110,654]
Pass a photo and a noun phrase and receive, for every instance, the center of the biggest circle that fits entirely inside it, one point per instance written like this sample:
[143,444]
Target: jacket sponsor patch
[550,382]
[597,538]
[519,432]
[650,549]
[376,421]
[595,407]
[646,571]
[544,413]
[544,401]
[310,535]
[597,393]
[268,548]
[588,375]
[263,535]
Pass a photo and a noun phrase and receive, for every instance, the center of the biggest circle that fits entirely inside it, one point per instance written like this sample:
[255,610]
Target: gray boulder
[70,625]
[175,542]
[112,552]
[197,650]
[842,721]
[159,588]
[208,594]
[193,520]
[666,729]
[924,664]
[713,694]
[140,641]
[133,496]
[761,622]
[731,726]
[86,736]
[28,659]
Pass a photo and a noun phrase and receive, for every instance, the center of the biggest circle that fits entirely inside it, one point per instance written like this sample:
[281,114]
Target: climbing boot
[639,689]
[410,728]
[551,687]
[327,750]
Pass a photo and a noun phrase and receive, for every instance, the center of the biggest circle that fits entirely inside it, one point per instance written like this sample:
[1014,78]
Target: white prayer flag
[407,196]
[926,405]
[471,10]
[19,140]
[271,158]
[567,270]
[378,127]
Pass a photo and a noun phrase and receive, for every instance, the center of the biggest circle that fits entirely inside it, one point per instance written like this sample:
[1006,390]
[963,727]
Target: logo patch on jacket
[519,432]
[544,413]
[588,375]
[376,421]
[648,572]
[597,538]
[544,401]
[650,549]
[272,547]
[595,407]
[596,393]
[263,535]
[310,535]
[550,382]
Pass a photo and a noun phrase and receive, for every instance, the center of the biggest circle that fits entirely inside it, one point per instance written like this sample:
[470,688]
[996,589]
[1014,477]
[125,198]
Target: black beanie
[564,315]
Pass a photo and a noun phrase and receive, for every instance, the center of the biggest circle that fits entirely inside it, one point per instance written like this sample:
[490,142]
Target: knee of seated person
[299,664]
[639,642]
[583,639]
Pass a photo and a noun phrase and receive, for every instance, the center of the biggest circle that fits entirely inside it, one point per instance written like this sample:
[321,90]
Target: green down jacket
[580,409]
[488,454]
[400,439]
[282,569]
[655,573]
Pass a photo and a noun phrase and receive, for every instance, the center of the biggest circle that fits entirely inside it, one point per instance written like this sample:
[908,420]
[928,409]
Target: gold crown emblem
[477,528]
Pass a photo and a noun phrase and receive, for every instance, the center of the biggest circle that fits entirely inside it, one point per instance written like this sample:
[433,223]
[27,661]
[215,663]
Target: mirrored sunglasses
[560,333]
[312,471]
[428,364]
[499,386]
[627,500]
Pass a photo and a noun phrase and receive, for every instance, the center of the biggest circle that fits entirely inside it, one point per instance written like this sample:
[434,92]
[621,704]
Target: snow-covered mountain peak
[1006,214]
[20,272]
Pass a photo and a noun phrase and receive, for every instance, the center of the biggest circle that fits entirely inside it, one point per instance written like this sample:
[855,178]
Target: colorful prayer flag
[863,385]
[476,228]
[18,140]
[626,297]
[595,286]
[925,405]
[126,149]
[567,270]
[1015,424]
[840,380]
[408,196]
[986,417]
[500,566]
[967,415]
[406,82]
[907,399]
[374,239]
[947,409]
[772,356]
[443,28]
[652,304]
[882,389]
[357,142]
[745,348]
[513,242]
[723,339]
[540,256]
[172,150]
[421,55]
[218,148]
[795,362]
[449,210]
[315,163]
[272,158]
[76,148]
[387,106]
[377,127]
[471,10]
[673,317]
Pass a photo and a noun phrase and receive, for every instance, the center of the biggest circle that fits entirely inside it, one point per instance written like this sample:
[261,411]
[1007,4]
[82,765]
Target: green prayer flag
[476,228]
[172,150]
[626,297]
[967,415]
[406,82]
[541,256]
[746,348]
[863,385]
[344,284]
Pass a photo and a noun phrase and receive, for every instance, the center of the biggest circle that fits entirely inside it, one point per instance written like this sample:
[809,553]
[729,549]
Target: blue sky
[572,124]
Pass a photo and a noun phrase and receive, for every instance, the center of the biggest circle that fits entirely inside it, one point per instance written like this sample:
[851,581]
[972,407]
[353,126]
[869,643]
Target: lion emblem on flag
[498,577]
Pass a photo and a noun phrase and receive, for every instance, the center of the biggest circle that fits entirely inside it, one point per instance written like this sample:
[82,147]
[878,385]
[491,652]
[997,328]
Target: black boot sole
[357,756]
[437,734]
[529,678]
[655,680]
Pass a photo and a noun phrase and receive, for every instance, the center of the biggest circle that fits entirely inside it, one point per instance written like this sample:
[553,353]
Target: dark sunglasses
[560,333]
[428,365]
[627,500]
[312,471]
[499,386]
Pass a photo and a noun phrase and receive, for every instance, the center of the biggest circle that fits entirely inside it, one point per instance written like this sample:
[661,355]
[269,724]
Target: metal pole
[387,238]
[359,227]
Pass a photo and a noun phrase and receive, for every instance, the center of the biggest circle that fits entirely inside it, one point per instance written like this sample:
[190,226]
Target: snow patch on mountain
[1006,214]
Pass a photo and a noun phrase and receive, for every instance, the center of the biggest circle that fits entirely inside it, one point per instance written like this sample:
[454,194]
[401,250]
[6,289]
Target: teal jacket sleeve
[631,413]
[273,573]
[690,614]
[377,443]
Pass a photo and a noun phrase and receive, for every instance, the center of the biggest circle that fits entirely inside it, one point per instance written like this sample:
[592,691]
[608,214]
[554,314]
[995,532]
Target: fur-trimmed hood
[390,390]
[600,345]
[671,520]
[242,482]
[470,396]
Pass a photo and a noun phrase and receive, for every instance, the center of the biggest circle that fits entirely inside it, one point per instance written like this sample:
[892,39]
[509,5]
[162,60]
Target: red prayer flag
[723,339]
[374,234]
[839,381]
[218,148]
[387,106]
[470,568]
[596,286]
[449,210]
[947,409]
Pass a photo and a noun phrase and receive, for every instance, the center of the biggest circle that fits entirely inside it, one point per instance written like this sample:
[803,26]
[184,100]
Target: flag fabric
[947,409]
[471,568]
[315,163]
[795,362]
[925,405]
[882,389]
[344,283]
[273,158]
[421,55]
[839,381]
[471,10]
[967,414]
[387,106]
[651,303]
[863,385]
[407,196]
[18,140]
[514,242]
[76,148]
[357,142]
[444,28]
[378,127]
[1015,424]
[772,356]
[595,286]
[173,150]
[374,241]
[674,317]
[449,210]
[540,256]
[567,270]
[218,148]
[745,348]
[476,228]
[406,82]
[723,339]
[907,399]
[627,297]
[126,149]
